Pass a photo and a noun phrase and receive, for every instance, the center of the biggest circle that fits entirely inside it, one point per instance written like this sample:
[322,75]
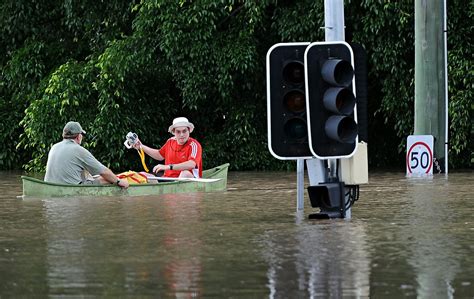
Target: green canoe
[214,179]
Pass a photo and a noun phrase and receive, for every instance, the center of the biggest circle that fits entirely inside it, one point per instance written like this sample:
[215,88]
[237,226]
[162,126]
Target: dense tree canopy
[118,66]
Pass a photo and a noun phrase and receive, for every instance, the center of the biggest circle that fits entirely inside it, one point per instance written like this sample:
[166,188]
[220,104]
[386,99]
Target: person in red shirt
[181,153]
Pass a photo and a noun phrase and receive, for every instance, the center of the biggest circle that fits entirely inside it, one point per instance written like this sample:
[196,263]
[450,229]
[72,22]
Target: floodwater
[407,238]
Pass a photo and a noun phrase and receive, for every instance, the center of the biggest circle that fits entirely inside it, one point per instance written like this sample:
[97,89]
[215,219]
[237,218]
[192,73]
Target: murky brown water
[407,238]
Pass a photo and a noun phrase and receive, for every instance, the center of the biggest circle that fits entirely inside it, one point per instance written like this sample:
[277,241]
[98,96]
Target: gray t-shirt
[67,162]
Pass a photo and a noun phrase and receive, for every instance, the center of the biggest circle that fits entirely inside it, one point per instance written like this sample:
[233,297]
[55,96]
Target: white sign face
[419,159]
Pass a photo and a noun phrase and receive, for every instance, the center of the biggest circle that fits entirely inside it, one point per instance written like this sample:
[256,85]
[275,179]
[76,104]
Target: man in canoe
[70,163]
[182,153]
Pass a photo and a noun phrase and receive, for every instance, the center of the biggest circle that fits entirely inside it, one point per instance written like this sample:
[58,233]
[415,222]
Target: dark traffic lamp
[330,98]
[329,197]
[286,102]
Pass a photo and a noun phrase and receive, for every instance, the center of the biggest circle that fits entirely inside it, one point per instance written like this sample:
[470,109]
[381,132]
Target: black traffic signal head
[286,102]
[330,198]
[330,99]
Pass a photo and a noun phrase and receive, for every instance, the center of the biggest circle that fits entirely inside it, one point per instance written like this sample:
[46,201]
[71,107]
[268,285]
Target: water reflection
[90,242]
[328,258]
[424,234]
[183,269]
[407,238]
[432,249]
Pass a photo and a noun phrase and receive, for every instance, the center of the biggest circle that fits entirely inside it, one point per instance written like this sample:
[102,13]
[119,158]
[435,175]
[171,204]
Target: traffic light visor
[339,100]
[341,128]
[338,72]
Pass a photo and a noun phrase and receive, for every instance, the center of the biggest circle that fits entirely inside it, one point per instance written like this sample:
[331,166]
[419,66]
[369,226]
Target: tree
[134,66]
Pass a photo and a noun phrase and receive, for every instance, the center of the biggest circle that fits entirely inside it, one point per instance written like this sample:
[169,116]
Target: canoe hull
[38,188]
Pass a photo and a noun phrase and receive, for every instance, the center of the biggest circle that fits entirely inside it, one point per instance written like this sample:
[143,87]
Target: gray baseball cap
[72,129]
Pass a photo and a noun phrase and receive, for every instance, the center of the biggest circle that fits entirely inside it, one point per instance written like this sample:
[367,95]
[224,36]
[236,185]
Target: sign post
[419,159]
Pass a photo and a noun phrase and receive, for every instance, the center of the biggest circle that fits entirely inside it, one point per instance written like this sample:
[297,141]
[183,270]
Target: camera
[130,140]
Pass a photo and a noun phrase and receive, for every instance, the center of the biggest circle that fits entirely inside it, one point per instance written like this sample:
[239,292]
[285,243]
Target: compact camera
[130,140]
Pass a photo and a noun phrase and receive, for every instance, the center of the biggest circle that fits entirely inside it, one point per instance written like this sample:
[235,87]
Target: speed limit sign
[419,159]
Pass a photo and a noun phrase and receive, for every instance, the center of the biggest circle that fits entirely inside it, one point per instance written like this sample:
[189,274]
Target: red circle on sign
[429,151]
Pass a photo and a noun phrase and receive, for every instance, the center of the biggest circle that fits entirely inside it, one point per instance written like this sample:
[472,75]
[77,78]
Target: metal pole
[316,171]
[446,128]
[334,31]
[334,20]
[299,185]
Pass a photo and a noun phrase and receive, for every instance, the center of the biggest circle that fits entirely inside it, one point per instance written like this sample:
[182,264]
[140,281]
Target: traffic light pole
[334,20]
[334,31]
[299,185]
[312,117]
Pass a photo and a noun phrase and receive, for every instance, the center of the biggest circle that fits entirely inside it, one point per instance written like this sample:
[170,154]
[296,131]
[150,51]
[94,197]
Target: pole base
[325,215]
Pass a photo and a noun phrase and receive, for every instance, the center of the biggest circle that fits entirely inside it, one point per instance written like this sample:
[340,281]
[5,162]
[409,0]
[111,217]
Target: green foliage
[134,94]
[386,30]
[19,78]
[300,21]
[461,85]
[135,65]
[65,95]
[210,49]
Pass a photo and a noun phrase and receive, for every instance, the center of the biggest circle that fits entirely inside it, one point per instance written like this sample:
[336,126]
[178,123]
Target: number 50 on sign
[419,159]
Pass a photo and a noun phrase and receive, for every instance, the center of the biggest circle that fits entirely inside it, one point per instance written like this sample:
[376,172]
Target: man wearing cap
[182,154]
[68,162]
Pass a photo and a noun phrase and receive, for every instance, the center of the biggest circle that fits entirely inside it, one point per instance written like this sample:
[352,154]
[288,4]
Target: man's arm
[110,177]
[94,166]
[188,165]
[152,152]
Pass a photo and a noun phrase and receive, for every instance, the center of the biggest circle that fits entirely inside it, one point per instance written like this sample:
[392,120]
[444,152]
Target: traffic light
[286,102]
[330,198]
[330,98]
[333,198]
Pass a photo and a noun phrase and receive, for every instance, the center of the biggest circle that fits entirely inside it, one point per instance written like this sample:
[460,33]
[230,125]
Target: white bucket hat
[181,122]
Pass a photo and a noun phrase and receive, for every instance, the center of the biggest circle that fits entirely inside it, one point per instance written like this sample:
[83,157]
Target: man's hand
[123,184]
[160,167]
[137,145]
